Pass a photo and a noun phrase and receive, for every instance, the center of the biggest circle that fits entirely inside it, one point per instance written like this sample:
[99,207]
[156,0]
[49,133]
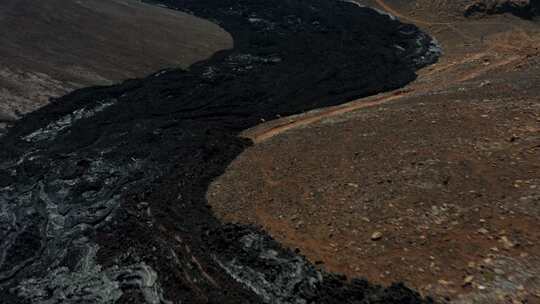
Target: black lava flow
[524,9]
[102,193]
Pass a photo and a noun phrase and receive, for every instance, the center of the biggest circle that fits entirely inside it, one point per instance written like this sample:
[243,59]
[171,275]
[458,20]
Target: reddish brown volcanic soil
[436,185]
[48,48]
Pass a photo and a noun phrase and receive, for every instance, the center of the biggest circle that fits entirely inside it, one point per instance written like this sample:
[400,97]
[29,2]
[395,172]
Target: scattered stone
[376,236]
[485,83]
[444,282]
[513,138]
[142,205]
[483,231]
[499,271]
[468,280]
[507,243]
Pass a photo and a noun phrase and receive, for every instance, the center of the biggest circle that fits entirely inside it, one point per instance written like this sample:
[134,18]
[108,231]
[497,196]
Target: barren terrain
[49,48]
[436,184]
[103,191]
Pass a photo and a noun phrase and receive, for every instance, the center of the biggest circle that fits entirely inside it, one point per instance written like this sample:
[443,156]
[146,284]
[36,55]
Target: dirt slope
[436,185]
[48,48]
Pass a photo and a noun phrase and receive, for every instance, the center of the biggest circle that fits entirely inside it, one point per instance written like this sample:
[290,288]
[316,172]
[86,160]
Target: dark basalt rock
[522,8]
[102,193]
[251,257]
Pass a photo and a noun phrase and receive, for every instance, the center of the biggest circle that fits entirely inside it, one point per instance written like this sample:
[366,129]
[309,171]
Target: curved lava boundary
[103,192]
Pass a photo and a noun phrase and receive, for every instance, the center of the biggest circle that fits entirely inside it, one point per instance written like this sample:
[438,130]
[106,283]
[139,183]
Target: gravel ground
[436,185]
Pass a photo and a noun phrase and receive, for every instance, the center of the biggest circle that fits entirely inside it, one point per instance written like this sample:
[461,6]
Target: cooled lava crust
[103,191]
[527,9]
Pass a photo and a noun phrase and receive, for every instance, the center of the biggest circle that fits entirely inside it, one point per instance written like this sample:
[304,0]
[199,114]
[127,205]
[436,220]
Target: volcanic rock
[522,8]
[74,173]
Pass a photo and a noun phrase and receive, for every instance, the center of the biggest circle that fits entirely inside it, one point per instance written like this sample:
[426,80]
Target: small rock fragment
[444,282]
[483,231]
[468,280]
[376,236]
[507,243]
[485,83]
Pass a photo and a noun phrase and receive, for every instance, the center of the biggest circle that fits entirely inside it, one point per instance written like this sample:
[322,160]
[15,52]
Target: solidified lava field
[103,191]
[50,48]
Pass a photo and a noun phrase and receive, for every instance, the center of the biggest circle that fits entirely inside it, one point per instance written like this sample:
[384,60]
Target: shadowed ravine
[103,192]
